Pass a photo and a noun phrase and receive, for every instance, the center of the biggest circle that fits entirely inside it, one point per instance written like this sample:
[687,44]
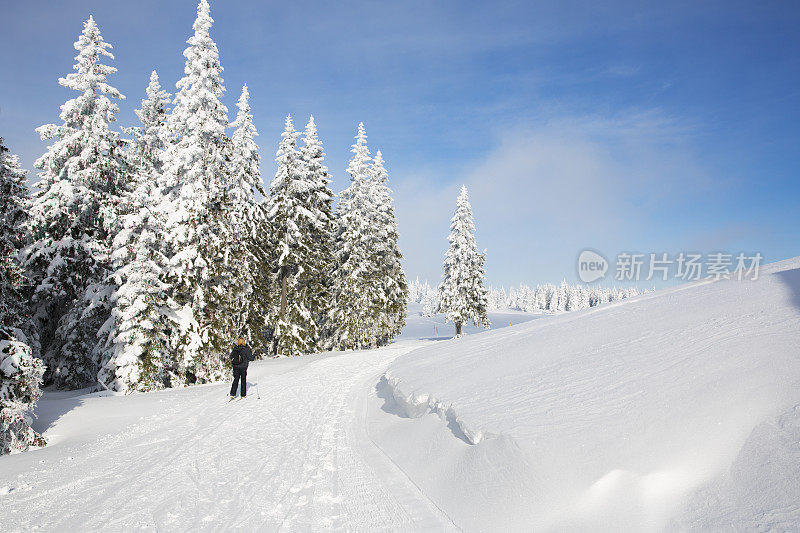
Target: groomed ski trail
[298,459]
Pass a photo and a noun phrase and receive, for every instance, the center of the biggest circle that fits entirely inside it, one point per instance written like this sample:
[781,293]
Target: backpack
[236,357]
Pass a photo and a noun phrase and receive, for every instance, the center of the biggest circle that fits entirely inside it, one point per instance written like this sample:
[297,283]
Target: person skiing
[241,355]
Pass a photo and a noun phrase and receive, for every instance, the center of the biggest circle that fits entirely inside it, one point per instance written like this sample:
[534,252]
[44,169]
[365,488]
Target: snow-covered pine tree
[414,290]
[563,295]
[146,151]
[198,240]
[20,378]
[502,299]
[14,235]
[290,218]
[352,296]
[250,226]
[72,216]
[429,301]
[245,159]
[137,354]
[390,287]
[462,296]
[322,226]
[543,295]
[20,371]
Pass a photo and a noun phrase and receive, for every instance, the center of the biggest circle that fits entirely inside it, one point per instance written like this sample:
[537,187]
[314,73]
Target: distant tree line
[541,298]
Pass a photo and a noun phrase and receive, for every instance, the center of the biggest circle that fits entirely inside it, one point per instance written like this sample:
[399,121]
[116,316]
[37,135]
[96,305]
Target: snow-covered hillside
[676,410]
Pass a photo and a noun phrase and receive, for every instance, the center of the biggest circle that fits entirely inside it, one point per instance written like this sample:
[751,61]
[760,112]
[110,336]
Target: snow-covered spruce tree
[290,217]
[20,377]
[146,151]
[248,218]
[352,301]
[462,296]
[390,287]
[72,215]
[14,235]
[20,371]
[245,160]
[414,291]
[137,354]
[430,302]
[321,227]
[198,239]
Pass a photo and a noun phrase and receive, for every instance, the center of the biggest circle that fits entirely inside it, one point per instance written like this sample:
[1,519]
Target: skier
[241,355]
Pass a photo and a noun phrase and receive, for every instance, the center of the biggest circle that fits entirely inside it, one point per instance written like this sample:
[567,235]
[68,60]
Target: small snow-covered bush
[20,378]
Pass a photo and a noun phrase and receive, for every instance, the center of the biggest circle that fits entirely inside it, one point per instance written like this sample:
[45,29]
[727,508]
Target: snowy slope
[298,459]
[673,410]
[186,460]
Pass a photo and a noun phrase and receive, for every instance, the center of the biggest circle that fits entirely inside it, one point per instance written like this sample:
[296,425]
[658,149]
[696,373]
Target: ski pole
[258,396]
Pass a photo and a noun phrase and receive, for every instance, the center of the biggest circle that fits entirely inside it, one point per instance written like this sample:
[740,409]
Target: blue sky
[626,126]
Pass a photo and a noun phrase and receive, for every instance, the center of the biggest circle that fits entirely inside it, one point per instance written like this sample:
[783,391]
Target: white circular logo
[591,266]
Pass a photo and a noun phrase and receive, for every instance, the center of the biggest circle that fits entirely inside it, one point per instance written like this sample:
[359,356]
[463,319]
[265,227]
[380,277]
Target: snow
[664,411]
[676,410]
[435,327]
[186,459]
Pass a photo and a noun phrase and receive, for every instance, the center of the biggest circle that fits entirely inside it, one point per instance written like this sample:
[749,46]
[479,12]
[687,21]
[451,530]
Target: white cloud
[544,193]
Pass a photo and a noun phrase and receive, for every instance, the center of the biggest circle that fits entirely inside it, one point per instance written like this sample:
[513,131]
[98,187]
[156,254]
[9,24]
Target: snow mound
[761,491]
[415,405]
[671,409]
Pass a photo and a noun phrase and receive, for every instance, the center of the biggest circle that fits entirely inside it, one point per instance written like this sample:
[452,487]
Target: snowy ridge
[416,404]
[669,410]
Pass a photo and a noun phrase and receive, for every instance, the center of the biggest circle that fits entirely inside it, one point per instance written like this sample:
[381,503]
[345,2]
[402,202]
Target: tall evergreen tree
[249,221]
[20,371]
[137,354]
[352,300]
[321,229]
[196,178]
[146,152]
[14,235]
[462,295]
[290,218]
[390,287]
[83,173]
[245,161]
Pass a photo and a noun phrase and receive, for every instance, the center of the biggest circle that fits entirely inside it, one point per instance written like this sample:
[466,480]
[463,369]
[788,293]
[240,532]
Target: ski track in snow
[295,460]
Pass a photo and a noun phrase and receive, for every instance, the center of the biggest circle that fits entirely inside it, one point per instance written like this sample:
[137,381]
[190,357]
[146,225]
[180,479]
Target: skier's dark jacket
[242,353]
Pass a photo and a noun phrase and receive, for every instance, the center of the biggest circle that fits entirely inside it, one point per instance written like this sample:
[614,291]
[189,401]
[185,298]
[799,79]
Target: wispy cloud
[544,192]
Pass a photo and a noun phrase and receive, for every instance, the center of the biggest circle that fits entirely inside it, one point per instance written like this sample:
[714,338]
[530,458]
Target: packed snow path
[297,459]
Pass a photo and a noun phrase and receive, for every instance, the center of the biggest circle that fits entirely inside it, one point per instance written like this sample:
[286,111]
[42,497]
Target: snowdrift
[673,410]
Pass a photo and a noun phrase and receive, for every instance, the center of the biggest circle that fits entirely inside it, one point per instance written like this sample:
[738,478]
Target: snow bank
[415,405]
[635,415]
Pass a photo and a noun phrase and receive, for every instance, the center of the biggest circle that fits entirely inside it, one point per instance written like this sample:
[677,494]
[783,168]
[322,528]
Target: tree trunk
[458,329]
[283,295]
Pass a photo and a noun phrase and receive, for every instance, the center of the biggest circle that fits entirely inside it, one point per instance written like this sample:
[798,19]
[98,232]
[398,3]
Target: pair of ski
[232,398]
